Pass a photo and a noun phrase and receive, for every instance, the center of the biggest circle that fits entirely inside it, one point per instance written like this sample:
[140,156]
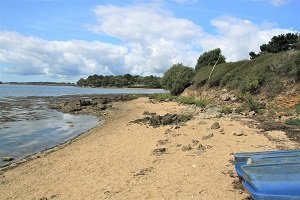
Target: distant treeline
[119,81]
[41,83]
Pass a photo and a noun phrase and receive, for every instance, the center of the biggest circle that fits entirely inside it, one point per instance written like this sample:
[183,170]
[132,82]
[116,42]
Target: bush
[177,78]
[253,104]
[297,107]
[190,100]
[295,122]
[226,110]
[209,58]
[162,97]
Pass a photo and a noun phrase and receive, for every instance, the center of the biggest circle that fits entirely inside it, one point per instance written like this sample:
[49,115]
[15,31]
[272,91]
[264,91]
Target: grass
[226,110]
[181,99]
[297,107]
[262,74]
[295,121]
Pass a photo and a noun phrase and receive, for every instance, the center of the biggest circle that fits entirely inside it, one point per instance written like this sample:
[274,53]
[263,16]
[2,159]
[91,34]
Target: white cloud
[152,39]
[33,56]
[237,37]
[278,3]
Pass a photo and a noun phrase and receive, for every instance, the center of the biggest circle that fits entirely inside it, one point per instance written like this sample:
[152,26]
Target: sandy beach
[117,160]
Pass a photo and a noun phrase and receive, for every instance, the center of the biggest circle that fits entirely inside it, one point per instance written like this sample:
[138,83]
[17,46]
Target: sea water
[28,126]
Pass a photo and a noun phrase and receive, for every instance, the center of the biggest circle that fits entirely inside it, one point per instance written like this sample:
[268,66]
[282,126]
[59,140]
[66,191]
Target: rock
[252,113]
[7,159]
[43,198]
[159,151]
[155,120]
[221,131]
[177,127]
[201,147]
[238,133]
[163,142]
[85,102]
[207,136]
[148,113]
[215,125]
[186,148]
[225,97]
[168,119]
[195,142]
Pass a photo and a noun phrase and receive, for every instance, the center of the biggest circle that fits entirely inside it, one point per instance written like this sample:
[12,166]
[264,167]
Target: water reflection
[27,126]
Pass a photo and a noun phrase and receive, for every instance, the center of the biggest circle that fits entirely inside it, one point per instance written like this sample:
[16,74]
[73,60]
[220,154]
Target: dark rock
[85,102]
[238,133]
[207,136]
[215,125]
[155,120]
[163,142]
[7,159]
[148,113]
[195,142]
[159,151]
[186,148]
[168,119]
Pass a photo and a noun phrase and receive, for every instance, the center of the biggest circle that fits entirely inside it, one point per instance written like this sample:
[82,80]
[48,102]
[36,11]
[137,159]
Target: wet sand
[117,160]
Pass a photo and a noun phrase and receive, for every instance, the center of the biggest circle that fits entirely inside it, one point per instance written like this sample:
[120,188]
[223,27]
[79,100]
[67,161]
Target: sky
[65,40]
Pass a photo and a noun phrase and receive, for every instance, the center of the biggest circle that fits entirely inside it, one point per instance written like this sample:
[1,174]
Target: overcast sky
[64,40]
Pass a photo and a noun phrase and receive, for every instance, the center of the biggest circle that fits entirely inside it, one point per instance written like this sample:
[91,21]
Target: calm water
[36,90]
[28,126]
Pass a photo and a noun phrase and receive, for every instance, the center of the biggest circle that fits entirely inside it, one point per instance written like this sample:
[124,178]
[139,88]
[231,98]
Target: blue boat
[272,181]
[243,157]
[263,160]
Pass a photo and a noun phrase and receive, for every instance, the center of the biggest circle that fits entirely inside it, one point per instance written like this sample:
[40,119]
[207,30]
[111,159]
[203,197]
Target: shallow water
[28,126]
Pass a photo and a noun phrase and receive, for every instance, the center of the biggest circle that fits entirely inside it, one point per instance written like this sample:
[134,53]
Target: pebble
[7,159]
[238,133]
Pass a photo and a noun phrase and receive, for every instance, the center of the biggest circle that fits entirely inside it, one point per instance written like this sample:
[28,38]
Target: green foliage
[253,55]
[264,73]
[191,100]
[280,43]
[295,121]
[253,104]
[181,99]
[177,78]
[126,80]
[163,97]
[226,110]
[209,58]
[297,107]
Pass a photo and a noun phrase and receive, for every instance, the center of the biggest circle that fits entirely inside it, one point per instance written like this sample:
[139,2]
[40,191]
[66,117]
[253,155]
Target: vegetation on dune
[126,80]
[203,102]
[177,78]
[252,76]
[210,58]
[295,122]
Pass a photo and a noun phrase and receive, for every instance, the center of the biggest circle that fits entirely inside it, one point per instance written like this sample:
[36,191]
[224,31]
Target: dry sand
[115,160]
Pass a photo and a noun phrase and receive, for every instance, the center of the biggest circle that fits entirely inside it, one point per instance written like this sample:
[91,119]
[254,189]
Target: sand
[116,161]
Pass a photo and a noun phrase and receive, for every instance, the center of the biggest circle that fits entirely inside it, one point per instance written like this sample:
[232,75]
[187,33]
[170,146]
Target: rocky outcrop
[162,120]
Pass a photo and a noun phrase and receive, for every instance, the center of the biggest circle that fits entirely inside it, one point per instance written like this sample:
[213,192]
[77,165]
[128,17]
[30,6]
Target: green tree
[177,78]
[210,58]
[253,55]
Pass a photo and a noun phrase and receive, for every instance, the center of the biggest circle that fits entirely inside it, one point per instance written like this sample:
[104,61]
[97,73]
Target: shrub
[191,100]
[210,58]
[295,121]
[253,104]
[177,78]
[297,107]
[226,110]
[162,97]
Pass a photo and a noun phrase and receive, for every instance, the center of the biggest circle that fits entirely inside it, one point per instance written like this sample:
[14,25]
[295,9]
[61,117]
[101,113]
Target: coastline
[116,160]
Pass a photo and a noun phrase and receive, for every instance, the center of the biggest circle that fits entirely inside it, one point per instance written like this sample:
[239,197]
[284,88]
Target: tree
[281,43]
[177,78]
[210,58]
[253,55]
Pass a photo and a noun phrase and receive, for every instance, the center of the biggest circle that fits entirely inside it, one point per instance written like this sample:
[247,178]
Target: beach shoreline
[119,159]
